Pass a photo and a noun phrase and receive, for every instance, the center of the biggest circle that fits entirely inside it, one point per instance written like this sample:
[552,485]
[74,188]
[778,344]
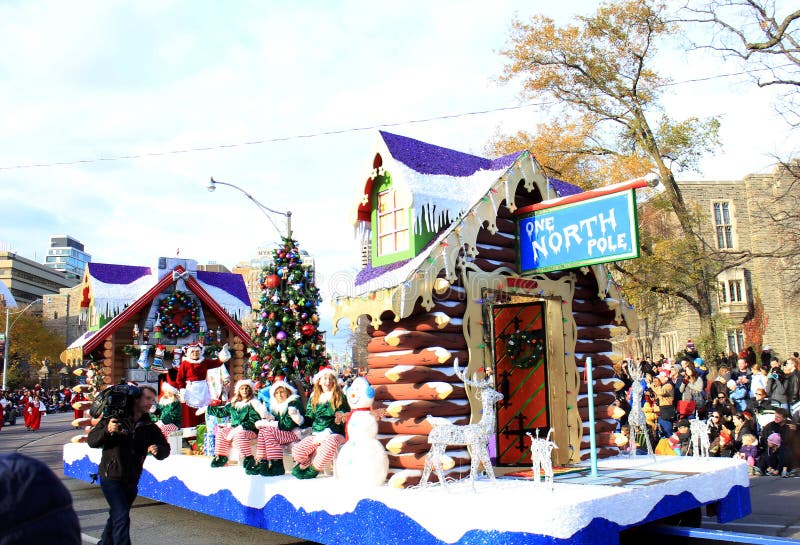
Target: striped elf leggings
[167,429]
[307,452]
[271,440]
[241,438]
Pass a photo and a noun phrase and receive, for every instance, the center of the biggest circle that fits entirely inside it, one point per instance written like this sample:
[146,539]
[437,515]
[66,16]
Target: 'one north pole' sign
[597,226]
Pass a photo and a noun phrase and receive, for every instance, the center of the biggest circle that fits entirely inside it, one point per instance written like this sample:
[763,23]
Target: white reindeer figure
[699,432]
[473,436]
[637,419]
[542,458]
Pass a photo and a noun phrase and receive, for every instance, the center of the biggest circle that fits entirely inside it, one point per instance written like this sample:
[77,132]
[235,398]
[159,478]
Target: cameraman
[126,440]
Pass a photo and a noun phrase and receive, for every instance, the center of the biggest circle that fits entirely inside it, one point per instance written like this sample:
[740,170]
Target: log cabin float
[118,299]
[441,281]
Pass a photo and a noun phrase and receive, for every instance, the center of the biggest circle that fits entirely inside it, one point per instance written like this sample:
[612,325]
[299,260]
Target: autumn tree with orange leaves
[608,126]
[30,343]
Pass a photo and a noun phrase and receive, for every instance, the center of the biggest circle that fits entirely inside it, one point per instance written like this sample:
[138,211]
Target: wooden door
[521,372]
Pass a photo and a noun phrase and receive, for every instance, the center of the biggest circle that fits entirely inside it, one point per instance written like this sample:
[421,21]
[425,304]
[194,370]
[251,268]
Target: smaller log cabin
[439,233]
[122,305]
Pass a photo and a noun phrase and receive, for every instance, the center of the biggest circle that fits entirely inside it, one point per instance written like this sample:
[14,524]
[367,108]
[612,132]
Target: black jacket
[124,453]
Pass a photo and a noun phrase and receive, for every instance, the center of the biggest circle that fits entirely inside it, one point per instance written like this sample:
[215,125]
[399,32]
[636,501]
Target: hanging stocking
[176,357]
[158,357]
[143,357]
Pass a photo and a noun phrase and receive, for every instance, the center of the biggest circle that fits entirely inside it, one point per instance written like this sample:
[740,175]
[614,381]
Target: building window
[723,292]
[723,225]
[392,224]
[735,340]
[735,291]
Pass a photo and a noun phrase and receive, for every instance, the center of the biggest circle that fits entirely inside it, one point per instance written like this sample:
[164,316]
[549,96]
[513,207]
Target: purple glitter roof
[228,282]
[369,272]
[563,188]
[117,274]
[429,159]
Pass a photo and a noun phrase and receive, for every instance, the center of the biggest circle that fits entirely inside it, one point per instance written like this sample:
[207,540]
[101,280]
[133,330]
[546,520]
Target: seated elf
[325,413]
[167,414]
[244,411]
[281,427]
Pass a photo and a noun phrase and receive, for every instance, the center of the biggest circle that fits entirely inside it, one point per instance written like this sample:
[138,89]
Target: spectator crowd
[750,404]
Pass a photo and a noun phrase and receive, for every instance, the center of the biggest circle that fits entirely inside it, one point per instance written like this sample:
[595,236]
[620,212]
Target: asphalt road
[774,502]
[152,523]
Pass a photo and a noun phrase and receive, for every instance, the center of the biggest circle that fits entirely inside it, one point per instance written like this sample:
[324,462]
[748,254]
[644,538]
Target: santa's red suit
[191,380]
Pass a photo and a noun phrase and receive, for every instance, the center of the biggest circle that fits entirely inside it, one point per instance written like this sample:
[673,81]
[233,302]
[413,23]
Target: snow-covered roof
[113,287]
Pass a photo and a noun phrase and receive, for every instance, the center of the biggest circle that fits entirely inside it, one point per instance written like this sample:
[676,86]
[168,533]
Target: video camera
[115,402]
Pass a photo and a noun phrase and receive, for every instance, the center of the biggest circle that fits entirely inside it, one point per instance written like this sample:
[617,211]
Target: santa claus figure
[191,380]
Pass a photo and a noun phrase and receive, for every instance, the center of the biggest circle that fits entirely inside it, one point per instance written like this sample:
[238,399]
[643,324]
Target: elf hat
[243,382]
[281,384]
[322,372]
[167,387]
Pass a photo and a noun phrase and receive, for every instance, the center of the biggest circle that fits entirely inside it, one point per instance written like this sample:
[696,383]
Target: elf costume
[314,453]
[281,428]
[243,413]
[167,415]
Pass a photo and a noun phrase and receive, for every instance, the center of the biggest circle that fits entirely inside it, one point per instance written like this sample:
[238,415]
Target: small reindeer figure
[637,419]
[699,432]
[542,458]
[473,436]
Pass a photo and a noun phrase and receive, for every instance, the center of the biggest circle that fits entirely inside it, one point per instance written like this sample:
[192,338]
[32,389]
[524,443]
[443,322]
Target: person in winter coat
[778,387]
[325,413]
[692,387]
[244,411]
[281,427]
[665,399]
[126,443]
[35,506]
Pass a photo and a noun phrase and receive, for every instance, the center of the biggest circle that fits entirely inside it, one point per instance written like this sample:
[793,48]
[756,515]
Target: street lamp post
[8,340]
[264,209]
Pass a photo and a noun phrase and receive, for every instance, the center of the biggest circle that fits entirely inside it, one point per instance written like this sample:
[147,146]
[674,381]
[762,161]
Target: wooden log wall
[411,368]
[594,317]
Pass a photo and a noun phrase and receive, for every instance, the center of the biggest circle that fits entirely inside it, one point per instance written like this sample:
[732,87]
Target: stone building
[739,217]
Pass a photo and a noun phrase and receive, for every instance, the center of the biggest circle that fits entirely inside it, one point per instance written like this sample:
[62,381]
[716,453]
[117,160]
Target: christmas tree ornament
[272,281]
[280,335]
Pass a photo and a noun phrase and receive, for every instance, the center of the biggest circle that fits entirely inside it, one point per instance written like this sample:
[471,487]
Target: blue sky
[85,80]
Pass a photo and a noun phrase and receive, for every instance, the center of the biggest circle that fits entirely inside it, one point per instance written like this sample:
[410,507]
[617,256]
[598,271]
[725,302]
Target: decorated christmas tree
[287,339]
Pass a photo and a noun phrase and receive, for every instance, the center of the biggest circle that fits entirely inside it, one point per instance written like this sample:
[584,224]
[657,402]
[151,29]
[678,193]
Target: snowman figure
[362,460]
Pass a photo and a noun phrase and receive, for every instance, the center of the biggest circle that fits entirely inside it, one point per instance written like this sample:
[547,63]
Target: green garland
[524,348]
[170,306]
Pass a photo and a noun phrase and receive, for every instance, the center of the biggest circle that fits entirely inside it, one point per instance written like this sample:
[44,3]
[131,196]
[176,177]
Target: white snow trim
[560,513]
[437,196]
[111,299]
[232,304]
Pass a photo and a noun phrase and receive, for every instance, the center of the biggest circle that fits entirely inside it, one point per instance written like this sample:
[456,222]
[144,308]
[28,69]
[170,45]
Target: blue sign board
[588,232]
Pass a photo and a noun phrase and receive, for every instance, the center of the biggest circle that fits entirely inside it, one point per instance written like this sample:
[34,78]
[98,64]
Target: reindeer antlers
[474,382]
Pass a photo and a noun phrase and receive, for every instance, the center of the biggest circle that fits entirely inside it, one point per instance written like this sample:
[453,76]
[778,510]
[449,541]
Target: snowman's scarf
[347,422]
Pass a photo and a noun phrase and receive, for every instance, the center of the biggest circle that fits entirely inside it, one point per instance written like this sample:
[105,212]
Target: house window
[392,224]
[735,340]
[723,292]
[723,225]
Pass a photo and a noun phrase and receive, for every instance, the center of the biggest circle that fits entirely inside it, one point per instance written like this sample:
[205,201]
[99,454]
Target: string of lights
[335,131]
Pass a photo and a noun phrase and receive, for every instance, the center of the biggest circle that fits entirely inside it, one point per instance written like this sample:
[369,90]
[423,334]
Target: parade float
[492,264]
